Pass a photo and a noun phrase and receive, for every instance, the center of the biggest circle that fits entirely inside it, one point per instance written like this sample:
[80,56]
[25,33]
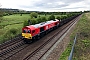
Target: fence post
[71,53]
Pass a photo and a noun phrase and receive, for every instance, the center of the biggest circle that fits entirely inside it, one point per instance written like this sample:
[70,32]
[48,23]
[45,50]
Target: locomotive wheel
[38,37]
[46,32]
[41,36]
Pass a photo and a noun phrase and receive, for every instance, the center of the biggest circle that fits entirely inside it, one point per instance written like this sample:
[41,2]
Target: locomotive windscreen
[26,31]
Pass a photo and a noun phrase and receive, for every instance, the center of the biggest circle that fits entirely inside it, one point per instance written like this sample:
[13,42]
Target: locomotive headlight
[29,36]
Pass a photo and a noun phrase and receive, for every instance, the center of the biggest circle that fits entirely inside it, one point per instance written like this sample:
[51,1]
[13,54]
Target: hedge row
[39,19]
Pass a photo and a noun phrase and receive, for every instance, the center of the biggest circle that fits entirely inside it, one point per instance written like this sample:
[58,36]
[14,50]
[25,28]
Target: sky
[47,5]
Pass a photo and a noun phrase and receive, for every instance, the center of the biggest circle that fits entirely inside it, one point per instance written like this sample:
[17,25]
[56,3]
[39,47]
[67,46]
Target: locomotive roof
[41,24]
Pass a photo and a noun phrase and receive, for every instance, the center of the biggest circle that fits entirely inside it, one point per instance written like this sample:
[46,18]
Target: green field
[11,22]
[16,19]
[14,22]
[82,46]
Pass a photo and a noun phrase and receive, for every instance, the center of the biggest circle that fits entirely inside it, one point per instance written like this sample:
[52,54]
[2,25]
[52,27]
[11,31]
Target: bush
[13,31]
[63,17]
[43,19]
[10,33]
[1,39]
[25,23]
[5,14]
[38,19]
[33,15]
[34,21]
[52,17]
[58,18]
[1,18]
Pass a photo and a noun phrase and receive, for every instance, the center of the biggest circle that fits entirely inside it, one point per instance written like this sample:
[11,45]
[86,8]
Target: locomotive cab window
[28,31]
[24,31]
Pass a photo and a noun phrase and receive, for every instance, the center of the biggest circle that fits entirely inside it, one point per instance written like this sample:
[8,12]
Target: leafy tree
[58,17]
[34,15]
[52,17]
[5,14]
[38,19]
[63,17]
[43,19]
[34,21]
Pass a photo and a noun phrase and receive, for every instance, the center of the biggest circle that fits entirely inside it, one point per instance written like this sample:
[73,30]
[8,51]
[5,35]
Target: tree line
[36,18]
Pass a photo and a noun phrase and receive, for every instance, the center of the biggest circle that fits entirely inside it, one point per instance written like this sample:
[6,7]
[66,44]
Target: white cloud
[47,5]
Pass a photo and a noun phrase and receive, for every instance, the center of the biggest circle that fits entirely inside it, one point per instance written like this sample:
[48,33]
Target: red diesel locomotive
[34,32]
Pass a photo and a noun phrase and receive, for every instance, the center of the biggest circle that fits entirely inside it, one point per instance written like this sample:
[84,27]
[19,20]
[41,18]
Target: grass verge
[82,46]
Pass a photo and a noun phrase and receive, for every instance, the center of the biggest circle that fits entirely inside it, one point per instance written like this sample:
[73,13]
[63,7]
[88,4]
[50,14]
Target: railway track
[18,46]
[12,51]
[10,42]
[40,51]
[6,49]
